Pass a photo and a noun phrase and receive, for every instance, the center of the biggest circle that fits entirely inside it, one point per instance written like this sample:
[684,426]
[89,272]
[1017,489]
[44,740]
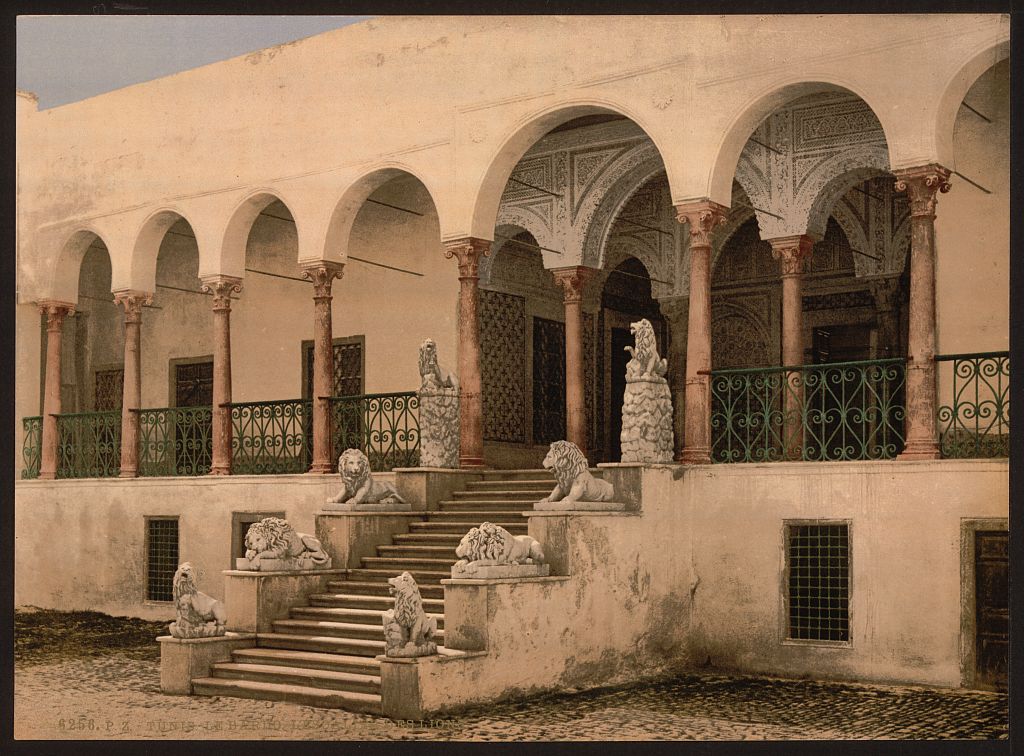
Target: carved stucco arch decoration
[857,235]
[503,238]
[146,246]
[895,262]
[750,338]
[345,208]
[829,181]
[738,215]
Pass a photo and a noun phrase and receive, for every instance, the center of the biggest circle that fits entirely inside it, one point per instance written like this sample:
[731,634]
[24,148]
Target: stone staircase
[323,654]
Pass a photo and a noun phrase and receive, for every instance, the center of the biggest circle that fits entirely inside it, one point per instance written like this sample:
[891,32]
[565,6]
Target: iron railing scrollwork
[976,421]
[271,438]
[89,445]
[175,441]
[831,412]
[32,446]
[385,427]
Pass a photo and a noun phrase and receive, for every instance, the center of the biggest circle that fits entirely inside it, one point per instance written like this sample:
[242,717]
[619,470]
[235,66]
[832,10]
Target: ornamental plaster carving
[647,434]
[197,615]
[222,287]
[133,302]
[439,411]
[739,338]
[408,630]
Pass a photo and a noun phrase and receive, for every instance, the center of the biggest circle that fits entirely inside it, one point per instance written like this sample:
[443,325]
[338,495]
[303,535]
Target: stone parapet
[183,660]
[347,537]
[255,599]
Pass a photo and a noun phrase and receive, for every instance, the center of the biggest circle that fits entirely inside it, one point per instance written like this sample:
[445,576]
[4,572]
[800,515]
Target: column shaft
[322,275]
[221,287]
[55,313]
[573,281]
[131,398]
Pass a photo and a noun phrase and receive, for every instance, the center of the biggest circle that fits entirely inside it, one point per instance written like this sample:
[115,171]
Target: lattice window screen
[503,365]
[548,381]
[161,558]
[347,369]
[819,581]
[109,390]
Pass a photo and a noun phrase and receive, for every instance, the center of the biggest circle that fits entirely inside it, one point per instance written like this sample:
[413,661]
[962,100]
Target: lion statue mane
[645,362]
[274,538]
[574,482]
[198,615]
[359,485]
[432,375]
[491,544]
[408,631]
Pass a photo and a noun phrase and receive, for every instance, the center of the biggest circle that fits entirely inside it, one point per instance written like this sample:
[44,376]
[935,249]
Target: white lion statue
[574,480]
[432,375]
[408,631]
[274,538]
[645,362]
[491,545]
[360,487]
[198,615]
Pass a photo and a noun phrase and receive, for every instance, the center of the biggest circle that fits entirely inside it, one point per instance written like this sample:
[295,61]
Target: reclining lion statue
[574,480]
[359,484]
[492,545]
[274,538]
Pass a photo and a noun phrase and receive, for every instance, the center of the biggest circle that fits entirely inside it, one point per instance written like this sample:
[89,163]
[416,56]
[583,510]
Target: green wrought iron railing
[830,412]
[976,422]
[385,427]
[89,445]
[32,446]
[175,441]
[271,438]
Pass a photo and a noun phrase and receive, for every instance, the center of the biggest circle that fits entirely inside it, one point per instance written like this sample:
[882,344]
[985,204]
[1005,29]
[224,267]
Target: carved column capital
[322,274]
[222,287]
[55,312]
[792,252]
[704,216]
[468,252]
[133,301]
[922,185]
[573,281]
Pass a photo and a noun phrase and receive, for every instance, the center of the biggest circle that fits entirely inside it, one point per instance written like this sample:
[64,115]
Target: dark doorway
[548,381]
[621,338]
[991,597]
[193,431]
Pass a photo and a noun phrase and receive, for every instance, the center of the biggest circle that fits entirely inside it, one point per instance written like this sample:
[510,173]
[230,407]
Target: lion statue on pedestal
[491,545]
[574,480]
[274,538]
[198,615]
[645,362]
[408,631]
[432,375]
[359,485]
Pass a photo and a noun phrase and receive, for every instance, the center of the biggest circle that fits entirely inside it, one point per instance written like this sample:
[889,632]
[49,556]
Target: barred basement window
[161,557]
[818,575]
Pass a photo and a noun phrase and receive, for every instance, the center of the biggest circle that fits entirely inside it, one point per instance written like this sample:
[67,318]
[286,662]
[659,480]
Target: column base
[128,474]
[219,471]
[320,469]
[46,476]
[695,456]
[471,462]
[919,451]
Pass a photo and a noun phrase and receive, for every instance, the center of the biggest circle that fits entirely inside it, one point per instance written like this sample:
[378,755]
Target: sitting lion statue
[645,362]
[274,538]
[198,615]
[491,544]
[360,487]
[408,631]
[432,375]
[574,480]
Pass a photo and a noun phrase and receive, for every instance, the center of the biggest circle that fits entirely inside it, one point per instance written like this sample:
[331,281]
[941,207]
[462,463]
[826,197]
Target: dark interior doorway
[991,601]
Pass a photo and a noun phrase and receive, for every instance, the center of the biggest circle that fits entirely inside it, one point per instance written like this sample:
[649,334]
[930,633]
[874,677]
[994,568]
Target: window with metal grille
[548,380]
[109,390]
[161,557]
[818,574]
[347,370]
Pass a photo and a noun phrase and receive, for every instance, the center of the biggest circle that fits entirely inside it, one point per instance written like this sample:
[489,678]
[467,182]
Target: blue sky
[67,58]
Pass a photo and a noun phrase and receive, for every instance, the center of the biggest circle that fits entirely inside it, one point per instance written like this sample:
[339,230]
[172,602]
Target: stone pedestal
[292,564]
[349,536]
[255,599]
[439,428]
[647,420]
[580,506]
[392,505]
[499,571]
[182,661]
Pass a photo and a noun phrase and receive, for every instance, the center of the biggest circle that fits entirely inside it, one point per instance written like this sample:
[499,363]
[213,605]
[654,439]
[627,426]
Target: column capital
[55,311]
[921,185]
[573,280]
[468,252]
[792,252]
[322,273]
[133,301]
[704,216]
[222,287]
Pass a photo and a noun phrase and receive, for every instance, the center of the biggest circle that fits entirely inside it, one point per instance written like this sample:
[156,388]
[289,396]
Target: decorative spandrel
[503,365]
[548,380]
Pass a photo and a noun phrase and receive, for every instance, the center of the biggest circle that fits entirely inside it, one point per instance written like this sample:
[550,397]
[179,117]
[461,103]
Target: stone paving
[117,696]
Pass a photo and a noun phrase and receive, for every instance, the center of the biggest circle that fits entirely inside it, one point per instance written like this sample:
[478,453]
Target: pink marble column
[222,287]
[922,185]
[468,252]
[55,313]
[322,274]
[131,401]
[573,281]
[703,217]
[793,252]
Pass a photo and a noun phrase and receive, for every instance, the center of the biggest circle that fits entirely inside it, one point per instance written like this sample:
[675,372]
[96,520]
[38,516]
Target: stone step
[537,473]
[420,576]
[419,550]
[511,485]
[313,678]
[361,665]
[366,601]
[440,540]
[501,509]
[328,629]
[368,703]
[398,566]
[371,617]
[325,644]
[461,526]
[526,494]
[500,516]
[378,586]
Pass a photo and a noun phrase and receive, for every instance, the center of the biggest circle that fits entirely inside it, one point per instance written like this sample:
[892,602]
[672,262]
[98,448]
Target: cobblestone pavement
[118,696]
